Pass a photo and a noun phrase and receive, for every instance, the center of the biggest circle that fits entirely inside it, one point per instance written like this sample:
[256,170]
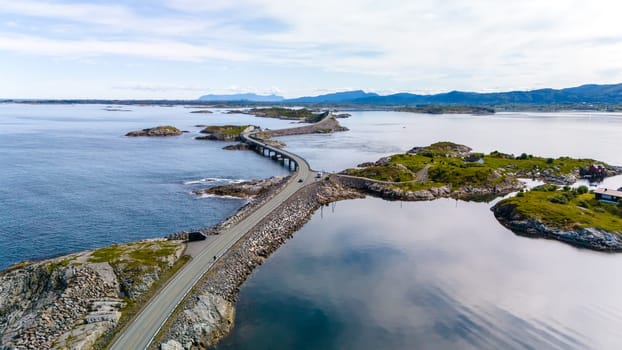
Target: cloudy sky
[186,48]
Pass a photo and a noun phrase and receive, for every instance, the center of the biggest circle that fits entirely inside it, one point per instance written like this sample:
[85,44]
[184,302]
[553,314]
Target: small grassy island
[224,132]
[164,130]
[446,169]
[570,215]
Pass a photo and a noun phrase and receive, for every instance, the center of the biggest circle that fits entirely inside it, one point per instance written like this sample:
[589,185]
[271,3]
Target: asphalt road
[146,325]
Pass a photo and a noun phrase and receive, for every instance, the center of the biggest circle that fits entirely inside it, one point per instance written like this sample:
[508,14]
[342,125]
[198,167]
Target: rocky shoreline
[207,315]
[158,131]
[244,189]
[388,191]
[590,238]
[71,302]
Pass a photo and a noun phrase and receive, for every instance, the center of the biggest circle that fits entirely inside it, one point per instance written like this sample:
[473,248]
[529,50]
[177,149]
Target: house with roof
[609,195]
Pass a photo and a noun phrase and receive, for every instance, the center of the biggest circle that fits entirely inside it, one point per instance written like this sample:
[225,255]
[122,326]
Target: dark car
[299,180]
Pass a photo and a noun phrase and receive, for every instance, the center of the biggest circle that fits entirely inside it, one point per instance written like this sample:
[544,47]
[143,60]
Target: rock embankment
[165,130]
[70,302]
[207,314]
[591,238]
[390,191]
[243,189]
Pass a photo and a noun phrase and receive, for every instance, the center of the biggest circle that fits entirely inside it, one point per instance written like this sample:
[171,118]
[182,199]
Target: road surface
[146,325]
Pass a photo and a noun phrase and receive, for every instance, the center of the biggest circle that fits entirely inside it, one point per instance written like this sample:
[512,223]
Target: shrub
[559,199]
[584,204]
[550,160]
[582,189]
[523,156]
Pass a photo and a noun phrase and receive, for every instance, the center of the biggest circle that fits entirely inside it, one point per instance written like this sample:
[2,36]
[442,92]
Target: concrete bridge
[288,159]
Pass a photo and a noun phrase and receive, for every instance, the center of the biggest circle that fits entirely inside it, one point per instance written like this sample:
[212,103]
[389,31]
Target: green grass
[446,165]
[525,167]
[133,307]
[228,130]
[280,112]
[567,209]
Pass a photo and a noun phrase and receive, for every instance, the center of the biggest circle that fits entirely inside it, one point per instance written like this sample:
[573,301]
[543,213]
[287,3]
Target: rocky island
[446,169]
[77,301]
[243,189]
[571,215]
[165,130]
[302,114]
[225,132]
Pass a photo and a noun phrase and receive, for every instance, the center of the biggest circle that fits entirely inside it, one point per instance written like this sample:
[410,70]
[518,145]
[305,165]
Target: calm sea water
[362,274]
[70,181]
[372,274]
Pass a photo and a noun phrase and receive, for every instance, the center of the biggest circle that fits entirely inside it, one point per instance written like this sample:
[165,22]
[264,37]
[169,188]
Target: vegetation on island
[450,164]
[564,208]
[229,130]
[446,109]
[163,130]
[282,113]
[223,132]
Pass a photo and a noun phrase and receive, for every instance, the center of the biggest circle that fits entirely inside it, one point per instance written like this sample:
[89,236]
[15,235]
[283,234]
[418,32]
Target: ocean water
[362,274]
[374,274]
[70,181]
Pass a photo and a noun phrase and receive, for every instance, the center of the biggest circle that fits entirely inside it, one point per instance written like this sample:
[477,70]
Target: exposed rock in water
[202,111]
[70,302]
[243,189]
[237,147]
[343,115]
[590,238]
[165,130]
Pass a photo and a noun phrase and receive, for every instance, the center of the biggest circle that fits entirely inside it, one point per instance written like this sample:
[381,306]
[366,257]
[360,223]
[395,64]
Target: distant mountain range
[589,94]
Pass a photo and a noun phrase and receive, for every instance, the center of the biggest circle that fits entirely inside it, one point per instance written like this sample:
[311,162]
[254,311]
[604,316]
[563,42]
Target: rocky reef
[243,189]
[74,301]
[165,130]
[207,315]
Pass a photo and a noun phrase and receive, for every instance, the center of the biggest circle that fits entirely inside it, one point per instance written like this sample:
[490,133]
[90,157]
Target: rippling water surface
[70,181]
[373,274]
[362,274]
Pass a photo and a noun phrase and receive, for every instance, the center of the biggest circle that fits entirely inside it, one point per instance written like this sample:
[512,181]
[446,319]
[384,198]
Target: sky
[182,49]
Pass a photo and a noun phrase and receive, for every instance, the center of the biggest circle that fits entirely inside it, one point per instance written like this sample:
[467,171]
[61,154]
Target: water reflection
[434,275]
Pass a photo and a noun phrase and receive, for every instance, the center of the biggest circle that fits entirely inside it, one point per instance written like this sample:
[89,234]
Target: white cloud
[167,50]
[424,44]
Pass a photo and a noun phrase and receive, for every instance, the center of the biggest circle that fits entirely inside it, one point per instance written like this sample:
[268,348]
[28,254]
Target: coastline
[207,313]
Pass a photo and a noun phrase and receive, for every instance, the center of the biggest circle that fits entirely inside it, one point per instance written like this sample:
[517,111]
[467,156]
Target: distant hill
[335,97]
[598,94]
[241,97]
